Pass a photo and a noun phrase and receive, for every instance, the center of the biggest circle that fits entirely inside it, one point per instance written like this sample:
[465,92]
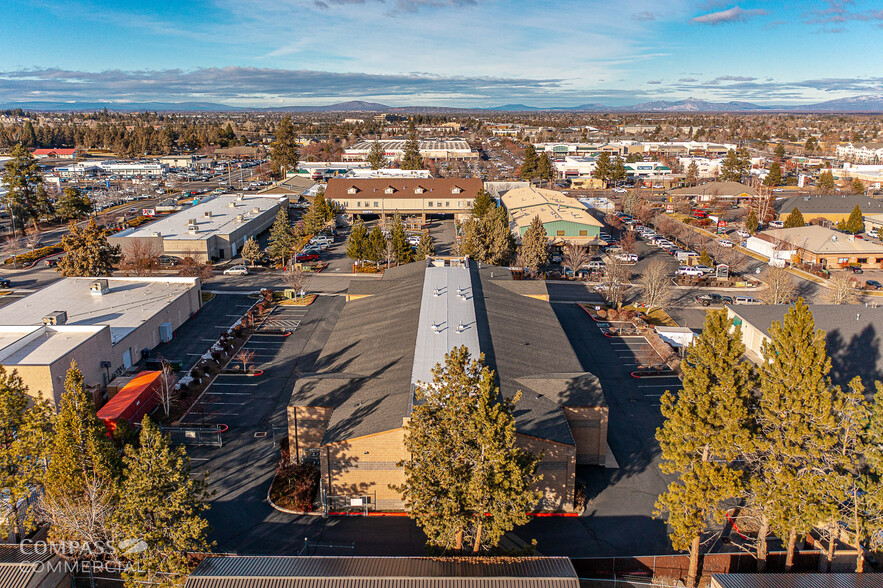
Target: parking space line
[232,384]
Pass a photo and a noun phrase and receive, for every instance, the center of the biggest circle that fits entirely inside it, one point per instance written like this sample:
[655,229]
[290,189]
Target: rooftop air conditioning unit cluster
[98,287]
[58,317]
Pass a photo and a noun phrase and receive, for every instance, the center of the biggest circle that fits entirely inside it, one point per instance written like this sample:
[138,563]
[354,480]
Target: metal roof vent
[58,317]
[98,287]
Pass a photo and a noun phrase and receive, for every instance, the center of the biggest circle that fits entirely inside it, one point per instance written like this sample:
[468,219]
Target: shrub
[32,256]
[296,486]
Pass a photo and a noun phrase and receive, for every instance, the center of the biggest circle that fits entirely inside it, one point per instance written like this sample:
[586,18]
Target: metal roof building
[382,572]
[429,148]
[796,581]
[565,219]
[350,411]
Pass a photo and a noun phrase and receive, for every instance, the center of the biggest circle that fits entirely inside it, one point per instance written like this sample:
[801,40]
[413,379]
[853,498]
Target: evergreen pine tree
[399,240]
[87,252]
[705,259]
[795,219]
[426,248]
[161,504]
[356,243]
[792,478]
[780,151]
[281,236]
[466,481]
[251,251]
[692,174]
[73,204]
[855,223]
[316,215]
[774,177]
[535,246]
[499,242]
[617,170]
[483,203]
[826,183]
[732,167]
[529,166]
[21,177]
[411,158]
[376,156]
[80,485]
[375,248]
[857,187]
[545,169]
[22,452]
[751,223]
[707,426]
[283,151]
[603,166]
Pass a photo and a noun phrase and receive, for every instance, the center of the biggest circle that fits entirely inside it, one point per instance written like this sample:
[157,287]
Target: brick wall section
[558,468]
[306,427]
[588,424]
[366,466]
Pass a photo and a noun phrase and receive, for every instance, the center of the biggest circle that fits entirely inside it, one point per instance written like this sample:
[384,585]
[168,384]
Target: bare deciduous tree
[86,516]
[780,286]
[294,278]
[140,258]
[575,256]
[192,266]
[615,281]
[841,289]
[245,356]
[657,284]
[627,241]
[166,391]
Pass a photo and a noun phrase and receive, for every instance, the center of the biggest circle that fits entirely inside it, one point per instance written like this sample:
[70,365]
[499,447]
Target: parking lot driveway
[195,336]
[618,520]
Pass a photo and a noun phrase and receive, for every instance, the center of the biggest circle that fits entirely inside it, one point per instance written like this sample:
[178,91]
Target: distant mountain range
[869,103]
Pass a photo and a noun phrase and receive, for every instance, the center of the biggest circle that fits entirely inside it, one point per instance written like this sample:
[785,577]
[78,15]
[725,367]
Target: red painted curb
[224,429]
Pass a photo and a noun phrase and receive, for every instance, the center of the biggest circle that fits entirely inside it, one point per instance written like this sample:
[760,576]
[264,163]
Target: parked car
[725,243]
[236,270]
[686,270]
[704,269]
[5,283]
[626,257]
[619,190]
[743,233]
[168,260]
[746,300]
[709,299]
[596,265]
[874,284]
[855,269]
[777,224]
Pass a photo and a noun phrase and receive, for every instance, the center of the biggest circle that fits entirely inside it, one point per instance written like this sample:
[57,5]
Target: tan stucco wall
[306,427]
[588,425]
[558,468]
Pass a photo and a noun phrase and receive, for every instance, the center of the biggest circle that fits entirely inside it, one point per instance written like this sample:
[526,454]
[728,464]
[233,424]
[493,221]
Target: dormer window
[389,190]
[456,190]
[352,190]
[418,190]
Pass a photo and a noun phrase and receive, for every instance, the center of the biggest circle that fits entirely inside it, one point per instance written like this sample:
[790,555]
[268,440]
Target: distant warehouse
[429,149]
[214,229]
[386,196]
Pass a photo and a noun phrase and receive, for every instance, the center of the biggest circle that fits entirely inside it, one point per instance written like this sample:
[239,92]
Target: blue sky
[439,52]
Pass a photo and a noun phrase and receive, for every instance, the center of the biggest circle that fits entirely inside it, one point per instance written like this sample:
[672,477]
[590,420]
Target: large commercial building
[214,229]
[385,196]
[828,210]
[712,191]
[104,324]
[349,414]
[565,219]
[814,244]
[394,149]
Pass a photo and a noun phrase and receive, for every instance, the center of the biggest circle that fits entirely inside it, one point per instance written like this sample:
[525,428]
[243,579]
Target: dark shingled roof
[382,572]
[364,370]
[852,332]
[829,204]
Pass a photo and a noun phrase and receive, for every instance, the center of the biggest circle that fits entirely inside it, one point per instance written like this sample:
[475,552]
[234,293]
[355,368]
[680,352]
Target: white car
[725,243]
[743,233]
[620,190]
[626,257]
[704,269]
[686,270]
[236,270]
[777,224]
[597,265]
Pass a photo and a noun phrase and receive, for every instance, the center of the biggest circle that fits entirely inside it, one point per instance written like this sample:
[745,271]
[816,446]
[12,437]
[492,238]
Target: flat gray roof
[31,345]
[127,304]
[223,208]
[423,145]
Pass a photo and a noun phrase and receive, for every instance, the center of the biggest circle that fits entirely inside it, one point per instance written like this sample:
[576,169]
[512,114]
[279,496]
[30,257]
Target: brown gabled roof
[404,187]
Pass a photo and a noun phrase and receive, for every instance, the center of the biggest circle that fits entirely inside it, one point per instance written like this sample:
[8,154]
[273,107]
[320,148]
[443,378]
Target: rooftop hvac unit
[207,214]
[98,287]
[240,197]
[239,218]
[256,210]
[156,234]
[58,317]
[191,221]
[232,204]
[192,229]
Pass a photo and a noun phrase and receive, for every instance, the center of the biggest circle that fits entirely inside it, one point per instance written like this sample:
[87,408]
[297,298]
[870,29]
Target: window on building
[447,204]
[352,191]
[583,233]
[376,205]
[438,205]
[389,190]
[862,260]
[842,260]
[359,204]
[429,204]
[879,260]
[560,233]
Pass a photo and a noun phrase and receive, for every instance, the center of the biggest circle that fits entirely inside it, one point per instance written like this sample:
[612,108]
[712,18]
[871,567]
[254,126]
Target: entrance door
[127,358]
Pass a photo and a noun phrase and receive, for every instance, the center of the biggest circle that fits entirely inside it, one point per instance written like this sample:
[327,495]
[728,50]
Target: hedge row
[32,256]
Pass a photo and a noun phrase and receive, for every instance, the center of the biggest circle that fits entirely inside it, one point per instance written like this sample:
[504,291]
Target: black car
[874,284]
[855,269]
[5,283]
[709,299]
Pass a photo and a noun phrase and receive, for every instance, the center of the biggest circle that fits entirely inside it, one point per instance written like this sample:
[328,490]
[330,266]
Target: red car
[306,257]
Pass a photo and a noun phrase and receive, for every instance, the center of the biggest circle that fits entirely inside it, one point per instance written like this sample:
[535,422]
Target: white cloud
[734,14]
